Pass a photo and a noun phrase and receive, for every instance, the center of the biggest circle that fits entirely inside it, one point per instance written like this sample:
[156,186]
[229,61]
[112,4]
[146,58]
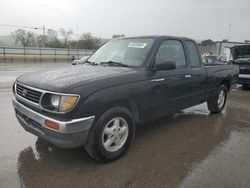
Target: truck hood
[240,52]
[60,79]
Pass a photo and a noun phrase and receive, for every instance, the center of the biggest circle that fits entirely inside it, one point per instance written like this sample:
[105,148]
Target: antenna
[229,31]
[77,28]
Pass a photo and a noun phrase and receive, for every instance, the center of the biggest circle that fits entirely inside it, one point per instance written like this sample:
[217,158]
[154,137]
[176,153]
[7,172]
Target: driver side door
[169,88]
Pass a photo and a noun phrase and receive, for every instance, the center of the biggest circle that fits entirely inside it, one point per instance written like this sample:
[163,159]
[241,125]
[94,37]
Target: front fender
[133,96]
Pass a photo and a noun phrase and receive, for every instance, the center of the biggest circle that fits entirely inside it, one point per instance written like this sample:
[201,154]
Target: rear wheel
[218,100]
[111,135]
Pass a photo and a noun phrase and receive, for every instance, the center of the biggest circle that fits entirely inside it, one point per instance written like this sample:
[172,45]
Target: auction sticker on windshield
[137,45]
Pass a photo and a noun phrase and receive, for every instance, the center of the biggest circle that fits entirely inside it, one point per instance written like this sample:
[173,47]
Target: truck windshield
[130,52]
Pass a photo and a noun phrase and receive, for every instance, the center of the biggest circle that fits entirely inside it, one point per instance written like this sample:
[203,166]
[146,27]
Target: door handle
[188,76]
[158,80]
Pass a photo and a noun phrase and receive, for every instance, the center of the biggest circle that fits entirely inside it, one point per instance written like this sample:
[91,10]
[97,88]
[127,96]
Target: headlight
[58,103]
[67,102]
[55,100]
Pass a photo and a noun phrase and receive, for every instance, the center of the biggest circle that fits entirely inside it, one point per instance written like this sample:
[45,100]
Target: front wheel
[218,100]
[111,135]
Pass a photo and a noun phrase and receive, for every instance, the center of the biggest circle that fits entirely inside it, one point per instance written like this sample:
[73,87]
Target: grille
[29,94]
[244,71]
[244,80]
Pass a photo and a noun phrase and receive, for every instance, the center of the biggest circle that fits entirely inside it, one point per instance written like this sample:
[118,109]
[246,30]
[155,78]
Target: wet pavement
[189,149]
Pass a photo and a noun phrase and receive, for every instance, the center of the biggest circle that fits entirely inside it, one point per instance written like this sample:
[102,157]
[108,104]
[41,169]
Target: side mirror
[80,61]
[166,65]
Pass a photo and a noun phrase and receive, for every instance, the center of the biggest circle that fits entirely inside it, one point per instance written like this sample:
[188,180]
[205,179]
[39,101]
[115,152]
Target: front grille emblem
[24,93]
[31,95]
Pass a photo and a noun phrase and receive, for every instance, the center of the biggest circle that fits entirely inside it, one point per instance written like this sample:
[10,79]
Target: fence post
[4,54]
[24,54]
[68,57]
[40,50]
[55,56]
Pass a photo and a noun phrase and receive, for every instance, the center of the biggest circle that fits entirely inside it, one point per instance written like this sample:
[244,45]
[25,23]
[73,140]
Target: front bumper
[70,134]
[244,79]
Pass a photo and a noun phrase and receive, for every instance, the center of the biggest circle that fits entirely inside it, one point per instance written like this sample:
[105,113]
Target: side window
[193,54]
[171,50]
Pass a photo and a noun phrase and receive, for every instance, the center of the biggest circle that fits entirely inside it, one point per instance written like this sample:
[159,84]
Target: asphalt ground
[191,148]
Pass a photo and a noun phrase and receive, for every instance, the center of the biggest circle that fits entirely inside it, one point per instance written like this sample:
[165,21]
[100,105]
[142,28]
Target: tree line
[58,39]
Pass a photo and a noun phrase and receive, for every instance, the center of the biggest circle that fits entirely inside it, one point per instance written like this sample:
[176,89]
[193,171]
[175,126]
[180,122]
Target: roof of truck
[155,37]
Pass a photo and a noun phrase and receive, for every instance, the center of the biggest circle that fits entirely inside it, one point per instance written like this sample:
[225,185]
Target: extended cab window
[193,54]
[171,50]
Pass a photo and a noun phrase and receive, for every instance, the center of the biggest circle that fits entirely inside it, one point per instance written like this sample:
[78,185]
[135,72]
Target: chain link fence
[16,54]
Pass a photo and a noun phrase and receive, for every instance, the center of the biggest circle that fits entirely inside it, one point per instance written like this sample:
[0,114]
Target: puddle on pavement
[242,126]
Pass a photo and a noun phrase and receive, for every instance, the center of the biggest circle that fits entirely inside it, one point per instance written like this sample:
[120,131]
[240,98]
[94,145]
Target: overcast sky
[199,19]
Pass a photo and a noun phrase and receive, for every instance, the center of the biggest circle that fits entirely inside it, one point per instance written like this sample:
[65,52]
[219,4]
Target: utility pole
[77,35]
[77,28]
[229,31]
[43,36]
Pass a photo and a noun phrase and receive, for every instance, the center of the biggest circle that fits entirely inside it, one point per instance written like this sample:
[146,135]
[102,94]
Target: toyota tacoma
[127,81]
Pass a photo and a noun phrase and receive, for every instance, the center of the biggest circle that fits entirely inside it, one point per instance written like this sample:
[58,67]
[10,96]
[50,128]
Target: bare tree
[87,41]
[52,40]
[41,40]
[49,40]
[66,36]
[24,38]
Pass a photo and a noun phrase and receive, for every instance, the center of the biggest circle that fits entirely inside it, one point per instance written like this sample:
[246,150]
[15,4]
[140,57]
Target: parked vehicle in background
[223,59]
[127,81]
[241,57]
[209,59]
[80,61]
[213,59]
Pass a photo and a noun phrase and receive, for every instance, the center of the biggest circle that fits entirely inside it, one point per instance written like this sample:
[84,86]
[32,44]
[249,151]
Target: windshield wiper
[90,62]
[113,63]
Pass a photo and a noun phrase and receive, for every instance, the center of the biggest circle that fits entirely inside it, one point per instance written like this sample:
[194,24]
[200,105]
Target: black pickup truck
[125,82]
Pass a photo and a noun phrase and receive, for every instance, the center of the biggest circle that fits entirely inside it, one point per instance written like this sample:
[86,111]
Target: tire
[217,104]
[108,139]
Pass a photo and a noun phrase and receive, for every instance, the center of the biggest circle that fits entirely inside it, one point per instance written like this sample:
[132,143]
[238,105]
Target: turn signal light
[51,124]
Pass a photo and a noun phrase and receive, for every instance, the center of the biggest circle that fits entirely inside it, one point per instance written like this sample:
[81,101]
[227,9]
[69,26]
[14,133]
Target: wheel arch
[129,104]
[226,82]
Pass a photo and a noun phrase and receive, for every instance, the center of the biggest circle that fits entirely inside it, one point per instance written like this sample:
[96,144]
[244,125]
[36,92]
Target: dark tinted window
[171,50]
[193,54]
